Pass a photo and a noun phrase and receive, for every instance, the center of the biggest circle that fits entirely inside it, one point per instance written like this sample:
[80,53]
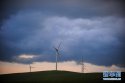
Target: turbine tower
[57,54]
[82,68]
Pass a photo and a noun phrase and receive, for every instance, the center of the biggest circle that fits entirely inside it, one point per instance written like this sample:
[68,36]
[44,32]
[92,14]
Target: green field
[52,77]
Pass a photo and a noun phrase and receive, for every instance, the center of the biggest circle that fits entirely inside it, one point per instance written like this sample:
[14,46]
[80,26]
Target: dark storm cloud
[71,8]
[92,29]
[35,33]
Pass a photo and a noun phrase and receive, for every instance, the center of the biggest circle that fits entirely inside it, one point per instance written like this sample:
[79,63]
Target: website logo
[112,75]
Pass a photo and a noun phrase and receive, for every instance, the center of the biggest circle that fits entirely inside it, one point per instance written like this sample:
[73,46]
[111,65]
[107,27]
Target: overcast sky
[93,29]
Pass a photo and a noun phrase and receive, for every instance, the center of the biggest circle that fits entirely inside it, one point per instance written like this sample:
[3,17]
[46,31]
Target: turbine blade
[32,67]
[58,53]
[59,45]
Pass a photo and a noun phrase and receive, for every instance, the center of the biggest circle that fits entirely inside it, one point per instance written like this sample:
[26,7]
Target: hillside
[52,77]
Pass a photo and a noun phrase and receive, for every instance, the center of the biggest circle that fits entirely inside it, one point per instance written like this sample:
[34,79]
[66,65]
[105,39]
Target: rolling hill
[52,77]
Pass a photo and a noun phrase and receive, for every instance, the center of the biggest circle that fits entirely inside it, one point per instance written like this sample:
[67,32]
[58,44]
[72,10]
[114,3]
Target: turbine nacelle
[57,50]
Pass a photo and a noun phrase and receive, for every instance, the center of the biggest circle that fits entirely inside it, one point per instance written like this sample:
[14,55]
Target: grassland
[53,77]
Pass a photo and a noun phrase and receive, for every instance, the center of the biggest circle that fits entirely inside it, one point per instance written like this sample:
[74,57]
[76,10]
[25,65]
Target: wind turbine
[30,67]
[57,54]
[83,66]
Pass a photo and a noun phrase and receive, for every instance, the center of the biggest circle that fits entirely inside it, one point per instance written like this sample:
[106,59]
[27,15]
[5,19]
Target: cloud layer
[100,40]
